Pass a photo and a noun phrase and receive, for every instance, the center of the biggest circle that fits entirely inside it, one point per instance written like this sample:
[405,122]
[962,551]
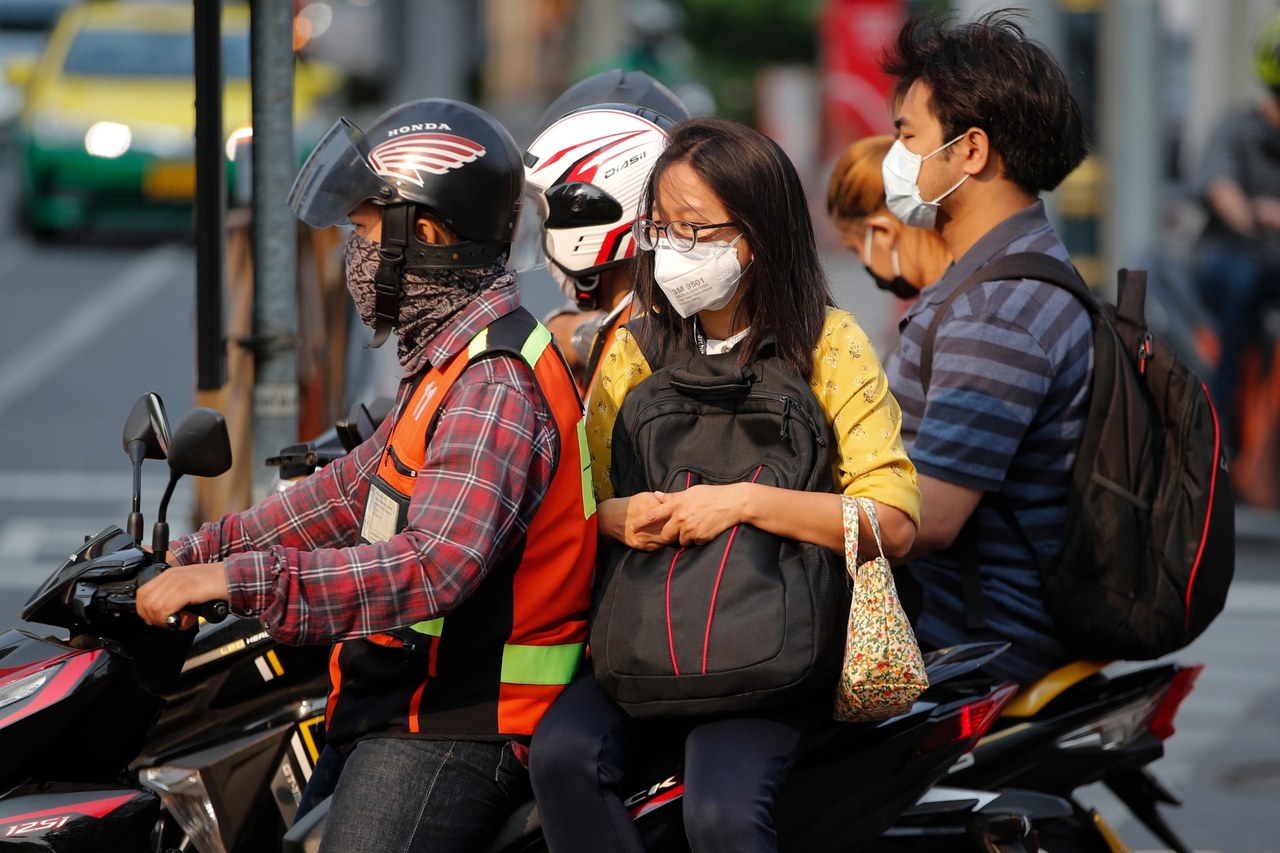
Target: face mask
[897,285]
[428,298]
[901,170]
[361,256]
[701,279]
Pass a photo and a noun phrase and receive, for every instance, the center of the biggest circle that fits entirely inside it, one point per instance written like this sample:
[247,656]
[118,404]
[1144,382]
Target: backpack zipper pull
[786,414]
[1145,350]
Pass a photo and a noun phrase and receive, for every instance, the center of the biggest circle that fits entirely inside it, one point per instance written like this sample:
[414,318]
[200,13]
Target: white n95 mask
[901,170]
[701,279]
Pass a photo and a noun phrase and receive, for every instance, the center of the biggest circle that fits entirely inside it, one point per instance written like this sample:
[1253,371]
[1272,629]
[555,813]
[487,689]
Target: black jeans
[586,744]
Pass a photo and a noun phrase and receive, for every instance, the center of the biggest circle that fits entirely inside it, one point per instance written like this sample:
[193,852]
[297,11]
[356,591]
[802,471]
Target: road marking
[51,350]
[59,486]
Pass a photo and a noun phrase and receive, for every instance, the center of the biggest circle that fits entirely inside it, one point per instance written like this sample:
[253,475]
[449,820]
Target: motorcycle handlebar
[210,611]
[214,611]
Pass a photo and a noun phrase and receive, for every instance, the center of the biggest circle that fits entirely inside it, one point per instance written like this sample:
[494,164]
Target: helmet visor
[579,205]
[526,251]
[334,180]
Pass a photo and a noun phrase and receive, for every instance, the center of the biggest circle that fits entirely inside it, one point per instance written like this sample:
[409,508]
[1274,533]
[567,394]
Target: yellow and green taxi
[107,130]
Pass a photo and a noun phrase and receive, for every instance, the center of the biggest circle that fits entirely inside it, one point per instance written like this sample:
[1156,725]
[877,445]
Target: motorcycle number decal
[27,827]
[381,512]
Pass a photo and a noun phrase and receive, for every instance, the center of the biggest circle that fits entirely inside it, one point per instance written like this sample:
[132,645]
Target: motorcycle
[122,736]
[238,720]
[938,819]
[851,783]
[1080,725]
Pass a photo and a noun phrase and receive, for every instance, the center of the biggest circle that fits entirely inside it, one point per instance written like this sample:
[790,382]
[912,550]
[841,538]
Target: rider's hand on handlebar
[178,588]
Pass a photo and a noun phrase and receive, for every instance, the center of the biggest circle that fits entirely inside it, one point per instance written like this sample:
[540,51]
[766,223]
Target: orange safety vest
[492,666]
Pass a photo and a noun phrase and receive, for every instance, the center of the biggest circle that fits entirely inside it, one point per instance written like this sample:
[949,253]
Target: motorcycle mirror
[362,422]
[146,436]
[159,423]
[201,447]
[147,428]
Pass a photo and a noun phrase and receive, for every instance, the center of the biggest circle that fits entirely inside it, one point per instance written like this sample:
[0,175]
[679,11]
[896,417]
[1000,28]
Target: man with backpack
[995,429]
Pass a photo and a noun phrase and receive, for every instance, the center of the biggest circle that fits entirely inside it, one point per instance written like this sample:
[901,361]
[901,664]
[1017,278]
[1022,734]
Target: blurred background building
[1152,75]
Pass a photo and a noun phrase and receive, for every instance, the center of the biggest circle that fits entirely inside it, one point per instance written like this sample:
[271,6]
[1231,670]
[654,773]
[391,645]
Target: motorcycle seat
[1035,696]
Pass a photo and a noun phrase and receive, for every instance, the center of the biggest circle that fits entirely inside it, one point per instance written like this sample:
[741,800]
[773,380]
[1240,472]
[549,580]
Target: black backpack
[1149,548]
[749,620]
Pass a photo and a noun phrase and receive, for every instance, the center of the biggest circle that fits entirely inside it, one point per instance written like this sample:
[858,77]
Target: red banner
[855,91]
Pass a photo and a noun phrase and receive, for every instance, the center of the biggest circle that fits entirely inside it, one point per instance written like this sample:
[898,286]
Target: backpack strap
[1131,297]
[1020,265]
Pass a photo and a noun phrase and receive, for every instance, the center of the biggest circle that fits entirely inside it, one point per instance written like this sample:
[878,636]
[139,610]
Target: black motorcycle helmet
[435,156]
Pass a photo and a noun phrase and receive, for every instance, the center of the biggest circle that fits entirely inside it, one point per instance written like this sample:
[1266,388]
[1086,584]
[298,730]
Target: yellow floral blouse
[850,385]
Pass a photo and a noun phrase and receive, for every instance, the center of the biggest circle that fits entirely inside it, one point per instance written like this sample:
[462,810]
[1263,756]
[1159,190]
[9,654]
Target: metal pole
[210,205]
[437,50]
[275,234]
[1131,124]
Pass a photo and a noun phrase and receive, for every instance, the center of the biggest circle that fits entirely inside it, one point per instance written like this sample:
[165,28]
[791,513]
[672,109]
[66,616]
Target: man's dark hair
[784,290]
[988,74]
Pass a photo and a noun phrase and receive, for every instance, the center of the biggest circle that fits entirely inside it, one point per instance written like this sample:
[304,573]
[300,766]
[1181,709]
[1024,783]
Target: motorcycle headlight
[183,794]
[16,691]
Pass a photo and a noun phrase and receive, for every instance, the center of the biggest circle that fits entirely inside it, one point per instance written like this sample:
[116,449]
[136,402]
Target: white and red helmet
[585,173]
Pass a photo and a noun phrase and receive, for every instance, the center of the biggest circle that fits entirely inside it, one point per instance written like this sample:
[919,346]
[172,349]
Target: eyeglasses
[681,235]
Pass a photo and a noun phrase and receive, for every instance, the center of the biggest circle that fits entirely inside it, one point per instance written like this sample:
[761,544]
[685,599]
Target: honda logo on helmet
[409,156]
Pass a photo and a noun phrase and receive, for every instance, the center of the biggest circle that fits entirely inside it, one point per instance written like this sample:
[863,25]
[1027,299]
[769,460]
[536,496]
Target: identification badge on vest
[381,515]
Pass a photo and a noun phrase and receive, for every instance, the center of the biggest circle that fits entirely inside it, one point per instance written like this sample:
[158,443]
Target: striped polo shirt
[1005,411]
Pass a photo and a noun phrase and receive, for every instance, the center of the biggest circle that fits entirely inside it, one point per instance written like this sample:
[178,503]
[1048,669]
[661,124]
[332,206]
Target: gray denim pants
[403,794]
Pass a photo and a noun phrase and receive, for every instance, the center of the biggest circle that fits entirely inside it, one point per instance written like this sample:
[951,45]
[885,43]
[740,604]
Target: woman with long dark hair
[728,262]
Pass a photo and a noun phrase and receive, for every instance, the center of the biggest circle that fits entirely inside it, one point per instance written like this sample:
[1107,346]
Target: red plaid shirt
[295,561]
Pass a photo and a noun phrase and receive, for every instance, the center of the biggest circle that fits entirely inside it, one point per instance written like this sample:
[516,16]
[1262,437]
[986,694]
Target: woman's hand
[699,514]
[177,588]
[635,521]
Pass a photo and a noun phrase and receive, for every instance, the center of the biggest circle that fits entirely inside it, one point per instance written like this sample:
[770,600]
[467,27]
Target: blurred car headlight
[184,796]
[239,136]
[108,139]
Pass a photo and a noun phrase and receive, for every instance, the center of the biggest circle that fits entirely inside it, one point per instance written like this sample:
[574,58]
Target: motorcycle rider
[584,172]
[994,444]
[450,555]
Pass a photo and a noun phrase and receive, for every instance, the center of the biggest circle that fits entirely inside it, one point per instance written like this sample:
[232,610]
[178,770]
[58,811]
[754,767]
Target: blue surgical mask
[901,170]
